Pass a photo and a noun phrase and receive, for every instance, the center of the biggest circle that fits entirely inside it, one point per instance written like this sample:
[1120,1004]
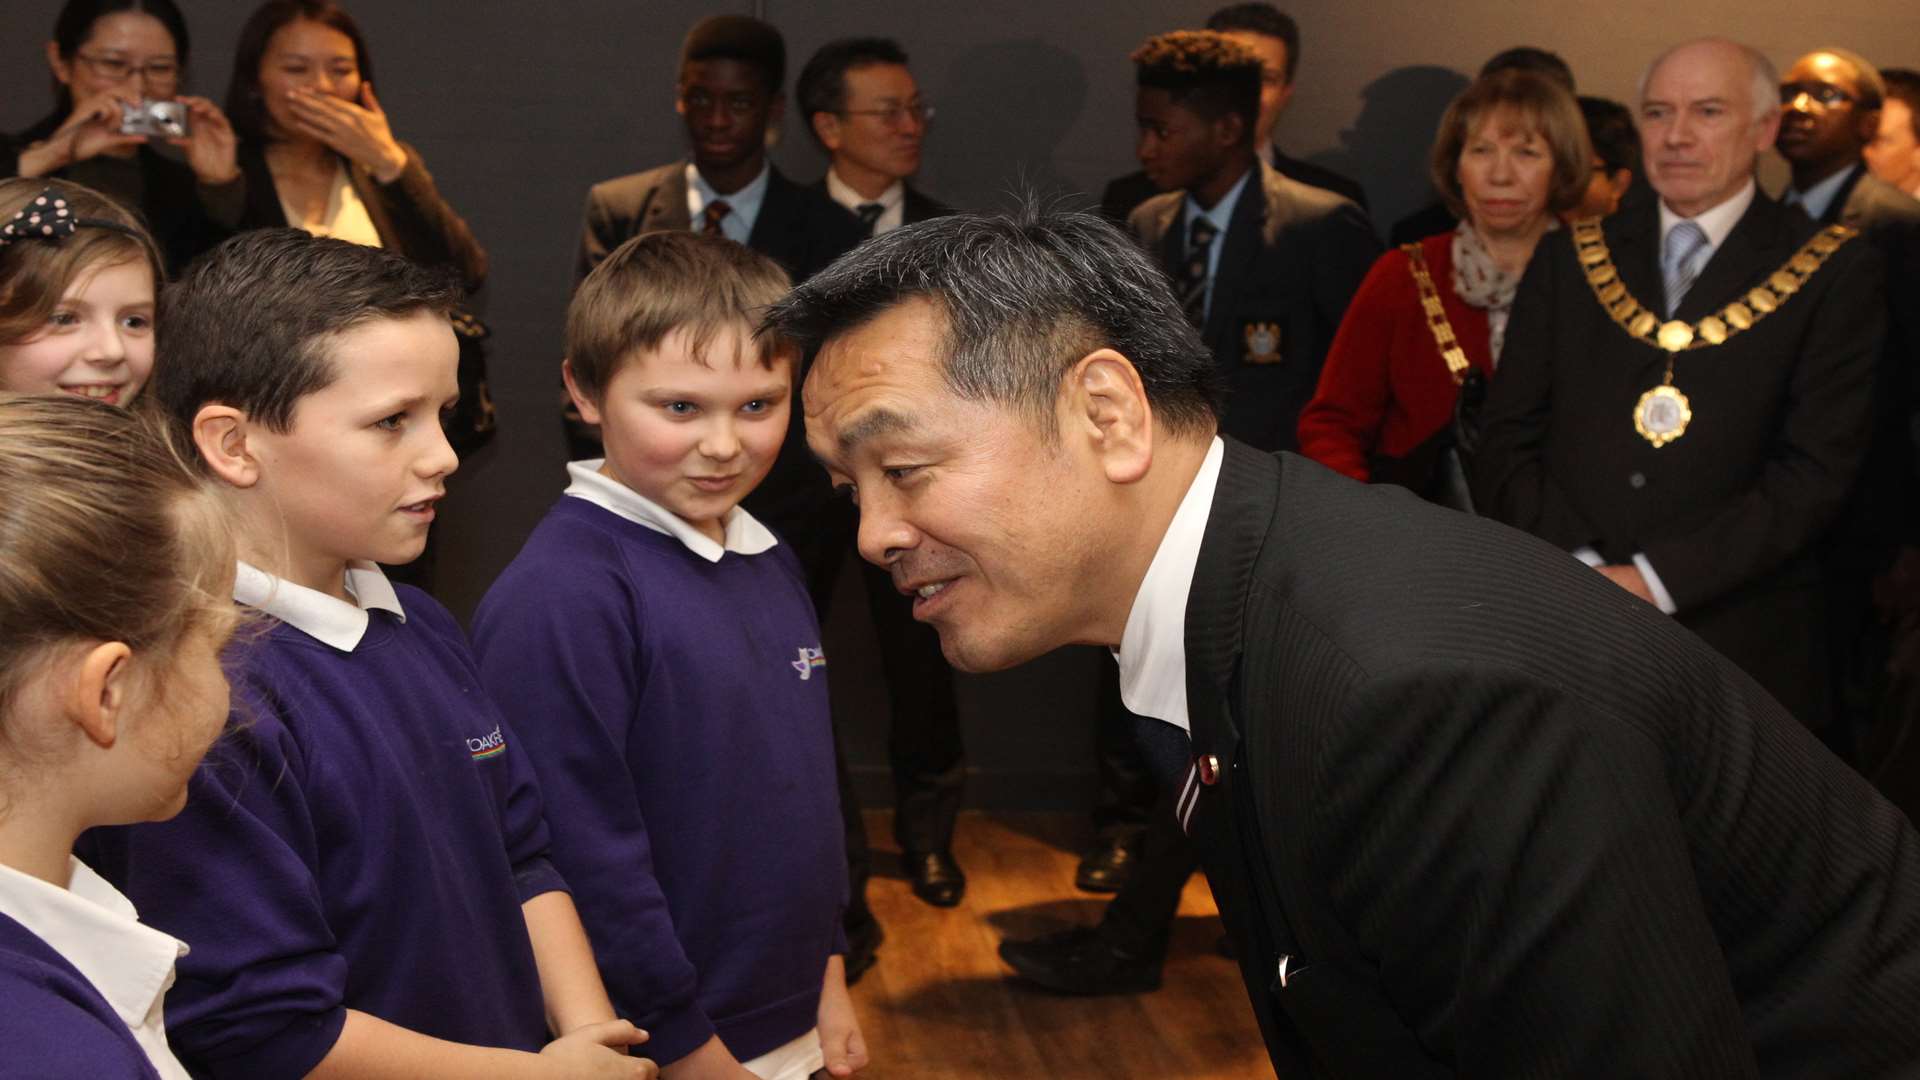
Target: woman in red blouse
[1512,153]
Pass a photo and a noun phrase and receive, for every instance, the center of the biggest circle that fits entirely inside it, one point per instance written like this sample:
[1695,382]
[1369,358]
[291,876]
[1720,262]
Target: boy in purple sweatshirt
[361,871]
[658,646]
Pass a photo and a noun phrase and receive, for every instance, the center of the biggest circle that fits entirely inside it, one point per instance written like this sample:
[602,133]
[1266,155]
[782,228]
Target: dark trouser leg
[859,856]
[929,766]
[1127,788]
[1140,919]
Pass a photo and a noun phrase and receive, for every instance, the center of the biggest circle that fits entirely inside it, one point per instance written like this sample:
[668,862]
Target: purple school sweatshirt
[675,710]
[362,837]
[53,1022]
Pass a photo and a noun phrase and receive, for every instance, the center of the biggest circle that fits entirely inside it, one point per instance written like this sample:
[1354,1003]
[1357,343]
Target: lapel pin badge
[1263,343]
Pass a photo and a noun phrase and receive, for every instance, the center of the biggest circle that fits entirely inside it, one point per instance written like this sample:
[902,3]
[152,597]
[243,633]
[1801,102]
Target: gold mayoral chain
[1664,412]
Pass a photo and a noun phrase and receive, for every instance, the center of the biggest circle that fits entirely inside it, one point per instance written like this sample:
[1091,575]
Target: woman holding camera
[109,58]
[316,148]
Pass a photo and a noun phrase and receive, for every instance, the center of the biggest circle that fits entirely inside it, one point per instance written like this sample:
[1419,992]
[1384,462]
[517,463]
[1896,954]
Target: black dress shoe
[864,936]
[936,878]
[1109,863]
[1080,961]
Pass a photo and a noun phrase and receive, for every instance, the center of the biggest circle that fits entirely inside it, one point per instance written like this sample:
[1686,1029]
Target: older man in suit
[1467,808]
[1686,392]
[863,107]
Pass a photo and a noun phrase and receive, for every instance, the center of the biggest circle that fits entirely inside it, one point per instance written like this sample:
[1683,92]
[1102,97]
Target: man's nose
[884,534]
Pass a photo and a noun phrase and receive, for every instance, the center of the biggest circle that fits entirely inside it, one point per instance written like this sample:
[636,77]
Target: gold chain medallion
[1663,412]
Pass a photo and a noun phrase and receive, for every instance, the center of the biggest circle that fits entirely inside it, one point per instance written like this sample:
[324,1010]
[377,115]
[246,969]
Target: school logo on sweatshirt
[488,746]
[809,659]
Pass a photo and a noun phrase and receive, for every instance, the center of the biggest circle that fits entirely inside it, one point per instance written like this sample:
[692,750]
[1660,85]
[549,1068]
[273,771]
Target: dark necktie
[710,217]
[1193,279]
[869,215]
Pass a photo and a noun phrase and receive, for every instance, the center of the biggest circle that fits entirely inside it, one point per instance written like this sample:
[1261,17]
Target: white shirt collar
[743,206]
[327,619]
[893,202]
[97,930]
[745,535]
[1816,199]
[1153,647]
[1716,223]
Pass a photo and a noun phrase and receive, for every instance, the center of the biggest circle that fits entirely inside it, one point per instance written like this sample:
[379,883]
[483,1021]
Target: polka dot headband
[48,216]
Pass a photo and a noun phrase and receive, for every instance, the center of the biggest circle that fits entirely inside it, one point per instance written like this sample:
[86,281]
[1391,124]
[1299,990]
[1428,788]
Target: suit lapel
[1842,209]
[1750,252]
[1243,506]
[667,209]
[1261,204]
[780,229]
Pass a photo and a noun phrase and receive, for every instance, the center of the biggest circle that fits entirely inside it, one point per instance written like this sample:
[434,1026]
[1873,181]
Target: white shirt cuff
[1662,599]
[1589,556]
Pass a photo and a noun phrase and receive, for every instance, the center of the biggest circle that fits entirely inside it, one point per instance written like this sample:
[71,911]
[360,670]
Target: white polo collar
[328,620]
[744,533]
[97,930]
[1153,647]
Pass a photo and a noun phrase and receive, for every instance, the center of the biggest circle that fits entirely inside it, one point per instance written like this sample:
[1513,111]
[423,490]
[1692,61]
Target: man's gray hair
[1023,297]
[1764,83]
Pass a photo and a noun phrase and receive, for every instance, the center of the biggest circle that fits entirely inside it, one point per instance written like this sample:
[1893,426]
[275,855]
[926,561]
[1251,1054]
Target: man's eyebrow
[871,424]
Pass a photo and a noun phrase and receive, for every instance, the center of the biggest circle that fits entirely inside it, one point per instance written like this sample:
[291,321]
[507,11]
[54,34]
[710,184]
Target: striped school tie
[711,217]
[1193,277]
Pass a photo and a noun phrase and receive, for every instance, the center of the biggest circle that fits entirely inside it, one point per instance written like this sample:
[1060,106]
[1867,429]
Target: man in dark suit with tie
[1686,392]
[1275,38]
[1468,810]
[863,107]
[1831,101]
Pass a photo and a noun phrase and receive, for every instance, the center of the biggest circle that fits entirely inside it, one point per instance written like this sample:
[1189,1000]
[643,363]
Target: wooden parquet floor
[940,1004]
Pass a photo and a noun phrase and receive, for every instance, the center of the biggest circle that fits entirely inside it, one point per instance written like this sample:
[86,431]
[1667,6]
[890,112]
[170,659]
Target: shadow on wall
[983,149]
[1386,147]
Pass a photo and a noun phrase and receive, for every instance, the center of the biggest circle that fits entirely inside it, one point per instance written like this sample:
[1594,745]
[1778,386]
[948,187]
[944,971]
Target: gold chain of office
[1674,336]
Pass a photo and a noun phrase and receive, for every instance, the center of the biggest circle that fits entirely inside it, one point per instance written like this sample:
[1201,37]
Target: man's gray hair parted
[1024,296]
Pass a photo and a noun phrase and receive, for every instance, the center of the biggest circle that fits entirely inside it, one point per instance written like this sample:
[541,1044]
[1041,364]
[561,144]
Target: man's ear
[1866,124]
[97,696]
[589,410]
[776,109]
[220,434]
[1230,129]
[826,126]
[1108,406]
[1766,128]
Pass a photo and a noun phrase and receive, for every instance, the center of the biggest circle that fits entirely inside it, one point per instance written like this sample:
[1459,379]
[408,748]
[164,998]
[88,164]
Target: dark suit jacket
[916,207]
[1731,514]
[1504,820]
[1293,257]
[410,214]
[1124,194]
[1885,509]
[798,228]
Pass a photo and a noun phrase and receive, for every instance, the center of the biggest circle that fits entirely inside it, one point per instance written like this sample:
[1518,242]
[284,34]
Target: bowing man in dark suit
[863,107]
[1265,265]
[1702,480]
[1275,38]
[1468,809]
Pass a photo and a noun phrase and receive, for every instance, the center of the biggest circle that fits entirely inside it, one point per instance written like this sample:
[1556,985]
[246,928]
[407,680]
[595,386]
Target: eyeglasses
[1826,95]
[120,69]
[896,115]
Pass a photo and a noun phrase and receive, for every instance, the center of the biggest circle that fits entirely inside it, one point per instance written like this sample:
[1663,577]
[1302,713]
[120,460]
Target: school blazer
[1293,257]
[800,229]
[1478,812]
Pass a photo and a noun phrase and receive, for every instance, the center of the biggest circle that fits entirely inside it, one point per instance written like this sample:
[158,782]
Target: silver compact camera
[167,119]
